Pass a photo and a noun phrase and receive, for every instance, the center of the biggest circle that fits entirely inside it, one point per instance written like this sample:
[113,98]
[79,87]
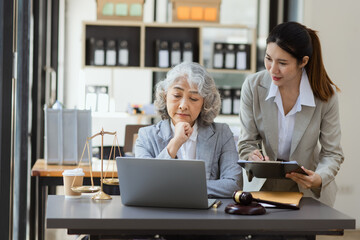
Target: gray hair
[196,75]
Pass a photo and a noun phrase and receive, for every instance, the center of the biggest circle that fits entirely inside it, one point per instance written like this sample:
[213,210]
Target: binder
[91,98]
[90,51]
[230,56]
[243,56]
[162,53]
[218,57]
[99,55]
[236,94]
[175,53]
[123,53]
[110,53]
[226,101]
[187,52]
[65,135]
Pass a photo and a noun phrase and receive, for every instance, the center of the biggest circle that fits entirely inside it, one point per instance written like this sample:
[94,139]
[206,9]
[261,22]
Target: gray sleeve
[230,175]
[146,145]
[331,154]
[249,136]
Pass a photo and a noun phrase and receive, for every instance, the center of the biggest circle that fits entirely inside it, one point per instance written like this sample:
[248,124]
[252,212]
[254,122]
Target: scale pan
[86,189]
[111,181]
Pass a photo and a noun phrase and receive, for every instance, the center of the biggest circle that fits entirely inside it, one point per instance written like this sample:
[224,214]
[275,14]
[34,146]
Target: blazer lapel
[269,113]
[205,146]
[302,121]
[164,133]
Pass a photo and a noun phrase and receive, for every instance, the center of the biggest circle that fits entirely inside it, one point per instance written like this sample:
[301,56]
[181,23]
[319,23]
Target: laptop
[163,183]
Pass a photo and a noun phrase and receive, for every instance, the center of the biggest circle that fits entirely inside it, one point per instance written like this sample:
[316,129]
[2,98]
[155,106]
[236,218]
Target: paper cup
[69,176]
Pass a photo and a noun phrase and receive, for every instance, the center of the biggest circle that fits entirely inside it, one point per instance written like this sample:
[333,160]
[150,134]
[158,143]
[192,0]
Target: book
[270,169]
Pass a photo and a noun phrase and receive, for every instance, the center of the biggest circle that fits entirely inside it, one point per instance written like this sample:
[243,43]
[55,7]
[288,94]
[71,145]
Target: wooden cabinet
[141,45]
[141,39]
[104,32]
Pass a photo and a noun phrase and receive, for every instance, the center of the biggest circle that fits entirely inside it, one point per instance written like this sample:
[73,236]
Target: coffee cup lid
[74,172]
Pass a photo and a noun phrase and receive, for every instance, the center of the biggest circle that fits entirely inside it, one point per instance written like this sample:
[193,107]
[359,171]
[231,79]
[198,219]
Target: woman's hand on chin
[183,131]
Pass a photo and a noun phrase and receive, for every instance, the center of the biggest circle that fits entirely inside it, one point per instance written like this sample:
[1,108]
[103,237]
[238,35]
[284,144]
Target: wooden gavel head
[246,198]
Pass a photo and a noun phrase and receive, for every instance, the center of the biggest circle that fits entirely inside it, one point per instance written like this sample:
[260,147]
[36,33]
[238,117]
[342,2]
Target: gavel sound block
[242,209]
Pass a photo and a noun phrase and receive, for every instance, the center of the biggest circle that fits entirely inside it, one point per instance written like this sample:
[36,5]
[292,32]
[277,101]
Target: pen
[217,204]
[260,149]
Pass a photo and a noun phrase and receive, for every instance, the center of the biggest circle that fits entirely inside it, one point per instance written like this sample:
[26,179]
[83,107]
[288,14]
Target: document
[270,169]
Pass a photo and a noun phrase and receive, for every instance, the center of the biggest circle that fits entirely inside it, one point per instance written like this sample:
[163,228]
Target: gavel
[246,198]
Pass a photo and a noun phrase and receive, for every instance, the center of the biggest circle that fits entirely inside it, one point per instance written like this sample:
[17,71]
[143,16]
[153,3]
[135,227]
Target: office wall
[339,31]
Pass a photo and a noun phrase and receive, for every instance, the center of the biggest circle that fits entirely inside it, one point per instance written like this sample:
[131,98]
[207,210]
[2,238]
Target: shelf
[142,50]
[157,69]
[131,34]
[169,34]
[214,70]
[141,38]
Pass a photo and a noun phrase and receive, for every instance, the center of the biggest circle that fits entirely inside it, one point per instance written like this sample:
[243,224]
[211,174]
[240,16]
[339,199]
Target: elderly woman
[188,101]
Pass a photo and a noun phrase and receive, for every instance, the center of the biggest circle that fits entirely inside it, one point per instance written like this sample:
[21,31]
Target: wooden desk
[112,219]
[41,169]
[50,176]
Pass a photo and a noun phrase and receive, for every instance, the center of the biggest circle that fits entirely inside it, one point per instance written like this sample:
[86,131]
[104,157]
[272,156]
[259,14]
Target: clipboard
[270,169]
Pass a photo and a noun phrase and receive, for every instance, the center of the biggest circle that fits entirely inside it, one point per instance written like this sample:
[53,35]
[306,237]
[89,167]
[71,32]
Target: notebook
[163,182]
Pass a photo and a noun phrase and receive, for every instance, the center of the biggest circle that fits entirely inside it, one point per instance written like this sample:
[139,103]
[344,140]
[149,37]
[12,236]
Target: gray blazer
[215,145]
[314,127]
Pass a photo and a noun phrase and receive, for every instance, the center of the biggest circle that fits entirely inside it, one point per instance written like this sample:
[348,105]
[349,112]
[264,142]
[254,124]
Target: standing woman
[291,109]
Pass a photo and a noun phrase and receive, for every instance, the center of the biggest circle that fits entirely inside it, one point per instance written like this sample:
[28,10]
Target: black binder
[218,55]
[243,55]
[90,51]
[175,56]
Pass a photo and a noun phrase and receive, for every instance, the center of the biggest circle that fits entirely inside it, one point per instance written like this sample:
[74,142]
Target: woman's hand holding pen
[313,180]
[257,155]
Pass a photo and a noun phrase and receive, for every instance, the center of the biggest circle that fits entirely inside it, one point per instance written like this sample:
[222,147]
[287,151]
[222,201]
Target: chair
[130,137]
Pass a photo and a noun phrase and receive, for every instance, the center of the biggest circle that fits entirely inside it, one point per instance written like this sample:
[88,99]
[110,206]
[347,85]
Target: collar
[306,96]
[272,91]
[306,93]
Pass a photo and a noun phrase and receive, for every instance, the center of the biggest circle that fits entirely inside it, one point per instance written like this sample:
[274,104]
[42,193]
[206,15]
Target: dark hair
[300,41]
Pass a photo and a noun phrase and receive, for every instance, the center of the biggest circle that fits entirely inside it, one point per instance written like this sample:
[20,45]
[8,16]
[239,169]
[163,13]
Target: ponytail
[319,80]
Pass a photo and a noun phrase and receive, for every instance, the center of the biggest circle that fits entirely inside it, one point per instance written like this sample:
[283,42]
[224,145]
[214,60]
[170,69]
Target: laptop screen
[162,182]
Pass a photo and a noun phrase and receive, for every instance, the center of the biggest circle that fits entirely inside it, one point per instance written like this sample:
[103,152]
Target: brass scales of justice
[100,195]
